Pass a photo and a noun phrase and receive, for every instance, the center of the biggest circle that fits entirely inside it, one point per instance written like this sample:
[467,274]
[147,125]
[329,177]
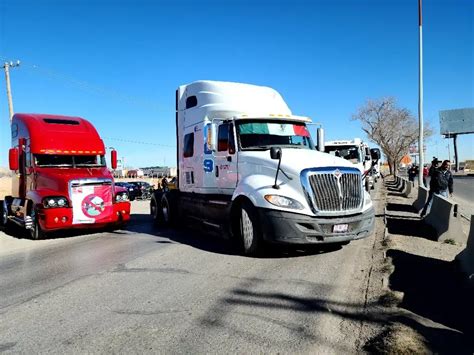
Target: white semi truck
[248,168]
[357,152]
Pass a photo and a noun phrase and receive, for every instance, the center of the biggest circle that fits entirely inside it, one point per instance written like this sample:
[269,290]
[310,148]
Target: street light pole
[420,93]
[6,66]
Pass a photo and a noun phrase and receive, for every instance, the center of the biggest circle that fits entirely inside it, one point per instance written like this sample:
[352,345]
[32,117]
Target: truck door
[226,159]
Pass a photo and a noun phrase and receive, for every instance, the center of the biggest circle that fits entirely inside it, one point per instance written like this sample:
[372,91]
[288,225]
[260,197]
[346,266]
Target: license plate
[340,228]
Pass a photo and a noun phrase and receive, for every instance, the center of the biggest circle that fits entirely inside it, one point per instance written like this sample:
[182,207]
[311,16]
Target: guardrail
[420,201]
[446,220]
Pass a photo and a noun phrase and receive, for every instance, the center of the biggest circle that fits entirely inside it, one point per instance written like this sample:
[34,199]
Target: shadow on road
[210,241]
[260,305]
[433,289]
[409,227]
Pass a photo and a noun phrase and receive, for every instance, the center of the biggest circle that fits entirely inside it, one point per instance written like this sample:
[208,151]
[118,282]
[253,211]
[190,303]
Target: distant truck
[376,157]
[248,169]
[357,152]
[60,177]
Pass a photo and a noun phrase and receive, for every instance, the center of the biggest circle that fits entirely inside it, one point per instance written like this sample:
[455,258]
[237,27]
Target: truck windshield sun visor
[259,134]
[59,160]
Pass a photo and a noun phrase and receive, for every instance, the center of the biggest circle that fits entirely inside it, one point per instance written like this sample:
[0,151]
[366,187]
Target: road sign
[460,121]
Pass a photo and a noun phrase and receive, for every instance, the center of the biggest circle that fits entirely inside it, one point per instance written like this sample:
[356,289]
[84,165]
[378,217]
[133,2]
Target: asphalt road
[464,194]
[146,290]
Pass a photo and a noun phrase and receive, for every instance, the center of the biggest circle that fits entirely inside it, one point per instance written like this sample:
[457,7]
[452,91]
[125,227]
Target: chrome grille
[333,192]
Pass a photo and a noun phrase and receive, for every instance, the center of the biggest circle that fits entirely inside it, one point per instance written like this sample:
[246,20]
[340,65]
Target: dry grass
[398,339]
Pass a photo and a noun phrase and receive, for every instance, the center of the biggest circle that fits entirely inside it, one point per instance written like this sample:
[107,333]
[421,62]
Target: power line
[91,88]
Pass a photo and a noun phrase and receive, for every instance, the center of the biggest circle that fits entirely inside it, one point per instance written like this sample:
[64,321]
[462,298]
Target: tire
[3,213]
[4,221]
[249,229]
[167,211]
[155,211]
[36,233]
[155,206]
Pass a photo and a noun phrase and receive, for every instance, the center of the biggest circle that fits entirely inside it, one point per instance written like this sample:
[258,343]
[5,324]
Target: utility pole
[6,66]
[420,93]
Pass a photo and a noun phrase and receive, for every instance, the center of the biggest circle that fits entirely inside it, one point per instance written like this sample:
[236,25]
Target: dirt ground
[429,302]
[5,186]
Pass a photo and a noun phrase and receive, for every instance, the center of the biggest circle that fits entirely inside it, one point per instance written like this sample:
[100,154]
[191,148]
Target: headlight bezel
[283,202]
[55,202]
[121,197]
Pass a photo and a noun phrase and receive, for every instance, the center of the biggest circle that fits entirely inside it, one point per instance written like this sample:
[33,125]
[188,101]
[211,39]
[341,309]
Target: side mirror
[210,134]
[375,153]
[320,139]
[113,159]
[275,153]
[13,159]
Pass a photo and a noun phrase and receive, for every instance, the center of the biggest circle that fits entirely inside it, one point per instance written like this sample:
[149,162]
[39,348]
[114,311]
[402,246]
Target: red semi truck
[60,178]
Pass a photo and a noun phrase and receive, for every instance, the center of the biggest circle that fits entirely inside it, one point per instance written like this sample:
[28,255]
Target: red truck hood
[57,179]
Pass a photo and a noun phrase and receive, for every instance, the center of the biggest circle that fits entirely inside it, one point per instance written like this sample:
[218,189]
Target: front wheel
[249,229]
[36,233]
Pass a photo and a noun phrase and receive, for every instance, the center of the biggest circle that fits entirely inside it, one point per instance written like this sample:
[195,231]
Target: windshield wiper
[258,147]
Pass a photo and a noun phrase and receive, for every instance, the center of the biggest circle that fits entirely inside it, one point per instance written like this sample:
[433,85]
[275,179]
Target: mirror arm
[275,186]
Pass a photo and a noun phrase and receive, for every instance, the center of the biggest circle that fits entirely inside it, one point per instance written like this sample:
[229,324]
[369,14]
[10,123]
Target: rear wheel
[154,211]
[167,211]
[250,234]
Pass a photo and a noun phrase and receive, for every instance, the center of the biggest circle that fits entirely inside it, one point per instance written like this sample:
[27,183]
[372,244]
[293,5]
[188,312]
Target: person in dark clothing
[412,173]
[441,183]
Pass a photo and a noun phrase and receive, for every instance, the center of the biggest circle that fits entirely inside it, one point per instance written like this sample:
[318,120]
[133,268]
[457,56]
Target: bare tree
[391,127]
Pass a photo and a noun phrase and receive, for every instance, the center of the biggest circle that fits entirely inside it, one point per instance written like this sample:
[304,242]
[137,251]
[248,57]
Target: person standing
[445,179]
[412,173]
[441,183]
[425,174]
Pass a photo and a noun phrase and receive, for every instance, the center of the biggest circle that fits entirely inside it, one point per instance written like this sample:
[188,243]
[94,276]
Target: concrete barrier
[465,259]
[441,217]
[406,190]
[420,201]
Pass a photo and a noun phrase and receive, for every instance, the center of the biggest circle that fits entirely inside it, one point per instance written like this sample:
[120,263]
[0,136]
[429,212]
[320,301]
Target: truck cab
[248,168]
[358,153]
[60,177]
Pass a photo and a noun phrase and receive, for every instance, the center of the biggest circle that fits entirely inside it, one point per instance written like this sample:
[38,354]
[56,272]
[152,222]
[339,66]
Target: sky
[118,63]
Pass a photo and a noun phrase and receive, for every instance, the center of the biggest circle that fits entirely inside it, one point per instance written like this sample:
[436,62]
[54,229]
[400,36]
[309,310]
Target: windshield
[73,161]
[347,152]
[258,134]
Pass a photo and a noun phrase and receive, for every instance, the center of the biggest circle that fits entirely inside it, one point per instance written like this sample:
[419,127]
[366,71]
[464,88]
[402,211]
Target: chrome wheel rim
[246,228]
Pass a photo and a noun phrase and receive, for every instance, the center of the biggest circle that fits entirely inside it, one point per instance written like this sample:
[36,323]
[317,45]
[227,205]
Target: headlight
[282,201]
[55,202]
[122,196]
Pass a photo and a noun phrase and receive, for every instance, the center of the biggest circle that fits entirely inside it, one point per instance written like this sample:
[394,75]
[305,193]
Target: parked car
[145,190]
[132,190]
